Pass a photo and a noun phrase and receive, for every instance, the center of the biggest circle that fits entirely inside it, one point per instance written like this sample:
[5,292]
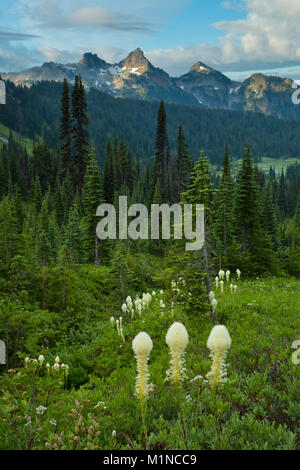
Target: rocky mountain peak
[90,60]
[201,68]
[136,62]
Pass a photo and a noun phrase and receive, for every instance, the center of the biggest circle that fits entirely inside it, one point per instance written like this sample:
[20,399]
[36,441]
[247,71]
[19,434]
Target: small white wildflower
[227,275]
[40,410]
[57,359]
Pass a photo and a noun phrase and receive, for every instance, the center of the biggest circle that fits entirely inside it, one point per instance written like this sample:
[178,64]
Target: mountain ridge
[136,77]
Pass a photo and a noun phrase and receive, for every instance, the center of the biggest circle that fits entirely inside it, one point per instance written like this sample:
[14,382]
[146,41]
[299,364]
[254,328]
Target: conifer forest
[136,343]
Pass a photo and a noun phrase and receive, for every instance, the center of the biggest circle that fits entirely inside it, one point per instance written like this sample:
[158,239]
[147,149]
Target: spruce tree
[79,131]
[65,130]
[92,194]
[224,205]
[159,171]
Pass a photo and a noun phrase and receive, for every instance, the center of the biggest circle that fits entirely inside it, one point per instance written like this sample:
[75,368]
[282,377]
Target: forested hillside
[34,112]
[72,305]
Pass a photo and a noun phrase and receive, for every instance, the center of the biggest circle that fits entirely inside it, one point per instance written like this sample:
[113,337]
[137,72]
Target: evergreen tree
[79,131]
[65,130]
[246,202]
[224,206]
[159,171]
[92,197]
[108,175]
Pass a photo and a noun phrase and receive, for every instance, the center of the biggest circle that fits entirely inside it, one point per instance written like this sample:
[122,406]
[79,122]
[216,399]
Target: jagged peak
[200,67]
[136,58]
[91,60]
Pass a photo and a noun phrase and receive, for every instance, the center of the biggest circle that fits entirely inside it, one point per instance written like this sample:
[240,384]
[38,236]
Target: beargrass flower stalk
[231,287]
[238,273]
[211,295]
[112,321]
[122,334]
[214,304]
[124,308]
[235,287]
[222,286]
[217,282]
[177,339]
[41,359]
[227,275]
[118,328]
[218,343]
[221,274]
[142,346]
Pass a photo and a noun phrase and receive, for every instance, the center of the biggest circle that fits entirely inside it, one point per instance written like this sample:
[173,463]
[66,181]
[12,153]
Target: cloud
[51,54]
[10,35]
[50,15]
[267,38]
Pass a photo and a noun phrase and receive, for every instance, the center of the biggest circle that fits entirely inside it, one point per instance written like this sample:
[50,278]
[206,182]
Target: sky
[237,37]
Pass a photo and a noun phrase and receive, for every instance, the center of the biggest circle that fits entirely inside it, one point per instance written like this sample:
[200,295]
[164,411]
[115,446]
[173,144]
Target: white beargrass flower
[27,360]
[235,287]
[118,327]
[41,359]
[217,282]
[142,346]
[177,339]
[161,292]
[57,359]
[238,273]
[211,295]
[114,434]
[139,309]
[221,275]
[122,334]
[124,308]
[214,304]
[153,293]
[112,321]
[222,286]
[56,366]
[227,275]
[218,343]
[231,287]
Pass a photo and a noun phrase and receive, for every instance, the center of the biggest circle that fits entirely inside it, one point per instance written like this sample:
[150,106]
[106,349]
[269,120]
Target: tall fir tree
[92,194]
[65,130]
[159,171]
[79,131]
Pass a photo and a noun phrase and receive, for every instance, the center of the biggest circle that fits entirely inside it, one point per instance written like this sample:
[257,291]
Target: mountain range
[135,77]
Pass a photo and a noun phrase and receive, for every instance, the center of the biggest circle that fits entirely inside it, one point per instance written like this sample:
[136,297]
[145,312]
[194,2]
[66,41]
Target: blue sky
[237,37]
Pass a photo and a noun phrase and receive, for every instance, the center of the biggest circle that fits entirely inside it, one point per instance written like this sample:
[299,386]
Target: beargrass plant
[218,343]
[142,347]
[177,339]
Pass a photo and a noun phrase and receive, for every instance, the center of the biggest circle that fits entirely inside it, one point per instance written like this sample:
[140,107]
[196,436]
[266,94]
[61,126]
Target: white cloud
[51,54]
[267,38]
